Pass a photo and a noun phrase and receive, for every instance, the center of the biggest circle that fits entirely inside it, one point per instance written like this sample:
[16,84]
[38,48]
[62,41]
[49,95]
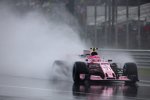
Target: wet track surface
[18,88]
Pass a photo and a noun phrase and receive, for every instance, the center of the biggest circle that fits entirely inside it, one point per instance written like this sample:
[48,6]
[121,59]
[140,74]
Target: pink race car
[96,69]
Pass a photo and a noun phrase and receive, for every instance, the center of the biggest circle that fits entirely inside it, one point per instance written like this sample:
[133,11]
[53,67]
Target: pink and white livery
[93,68]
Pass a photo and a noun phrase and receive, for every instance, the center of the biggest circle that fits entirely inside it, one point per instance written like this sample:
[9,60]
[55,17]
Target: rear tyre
[79,68]
[60,70]
[130,70]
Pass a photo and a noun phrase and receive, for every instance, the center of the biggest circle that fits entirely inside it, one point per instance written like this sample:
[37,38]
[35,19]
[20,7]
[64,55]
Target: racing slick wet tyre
[130,70]
[79,68]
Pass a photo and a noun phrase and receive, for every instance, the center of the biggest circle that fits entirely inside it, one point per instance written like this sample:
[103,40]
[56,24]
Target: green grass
[144,71]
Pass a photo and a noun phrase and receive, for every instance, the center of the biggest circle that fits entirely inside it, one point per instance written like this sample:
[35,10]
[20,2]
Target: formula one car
[93,68]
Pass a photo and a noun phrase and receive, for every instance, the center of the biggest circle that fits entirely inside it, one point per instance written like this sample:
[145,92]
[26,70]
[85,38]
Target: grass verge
[144,71]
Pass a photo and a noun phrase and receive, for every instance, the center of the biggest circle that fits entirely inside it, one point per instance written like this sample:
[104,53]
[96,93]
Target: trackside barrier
[141,57]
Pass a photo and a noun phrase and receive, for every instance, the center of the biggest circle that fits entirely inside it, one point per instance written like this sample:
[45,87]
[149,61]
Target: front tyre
[130,70]
[79,68]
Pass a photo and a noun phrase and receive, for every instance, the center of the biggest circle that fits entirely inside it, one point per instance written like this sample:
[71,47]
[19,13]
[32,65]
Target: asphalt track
[19,88]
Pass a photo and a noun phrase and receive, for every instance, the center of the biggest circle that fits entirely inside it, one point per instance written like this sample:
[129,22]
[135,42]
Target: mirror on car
[109,60]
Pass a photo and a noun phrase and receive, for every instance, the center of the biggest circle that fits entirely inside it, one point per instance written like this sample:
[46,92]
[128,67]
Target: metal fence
[140,57]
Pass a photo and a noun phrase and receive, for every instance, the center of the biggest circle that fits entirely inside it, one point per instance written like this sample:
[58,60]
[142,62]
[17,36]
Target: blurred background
[123,24]
[36,33]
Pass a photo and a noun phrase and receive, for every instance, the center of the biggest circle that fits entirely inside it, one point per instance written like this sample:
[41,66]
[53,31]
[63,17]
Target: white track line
[144,81]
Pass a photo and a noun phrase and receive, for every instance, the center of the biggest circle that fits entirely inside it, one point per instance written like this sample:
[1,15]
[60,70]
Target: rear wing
[86,52]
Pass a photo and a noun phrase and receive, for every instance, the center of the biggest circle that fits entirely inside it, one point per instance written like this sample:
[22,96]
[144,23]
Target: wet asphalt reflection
[18,88]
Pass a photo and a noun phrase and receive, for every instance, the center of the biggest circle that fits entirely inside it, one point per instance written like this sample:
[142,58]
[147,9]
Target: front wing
[98,78]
